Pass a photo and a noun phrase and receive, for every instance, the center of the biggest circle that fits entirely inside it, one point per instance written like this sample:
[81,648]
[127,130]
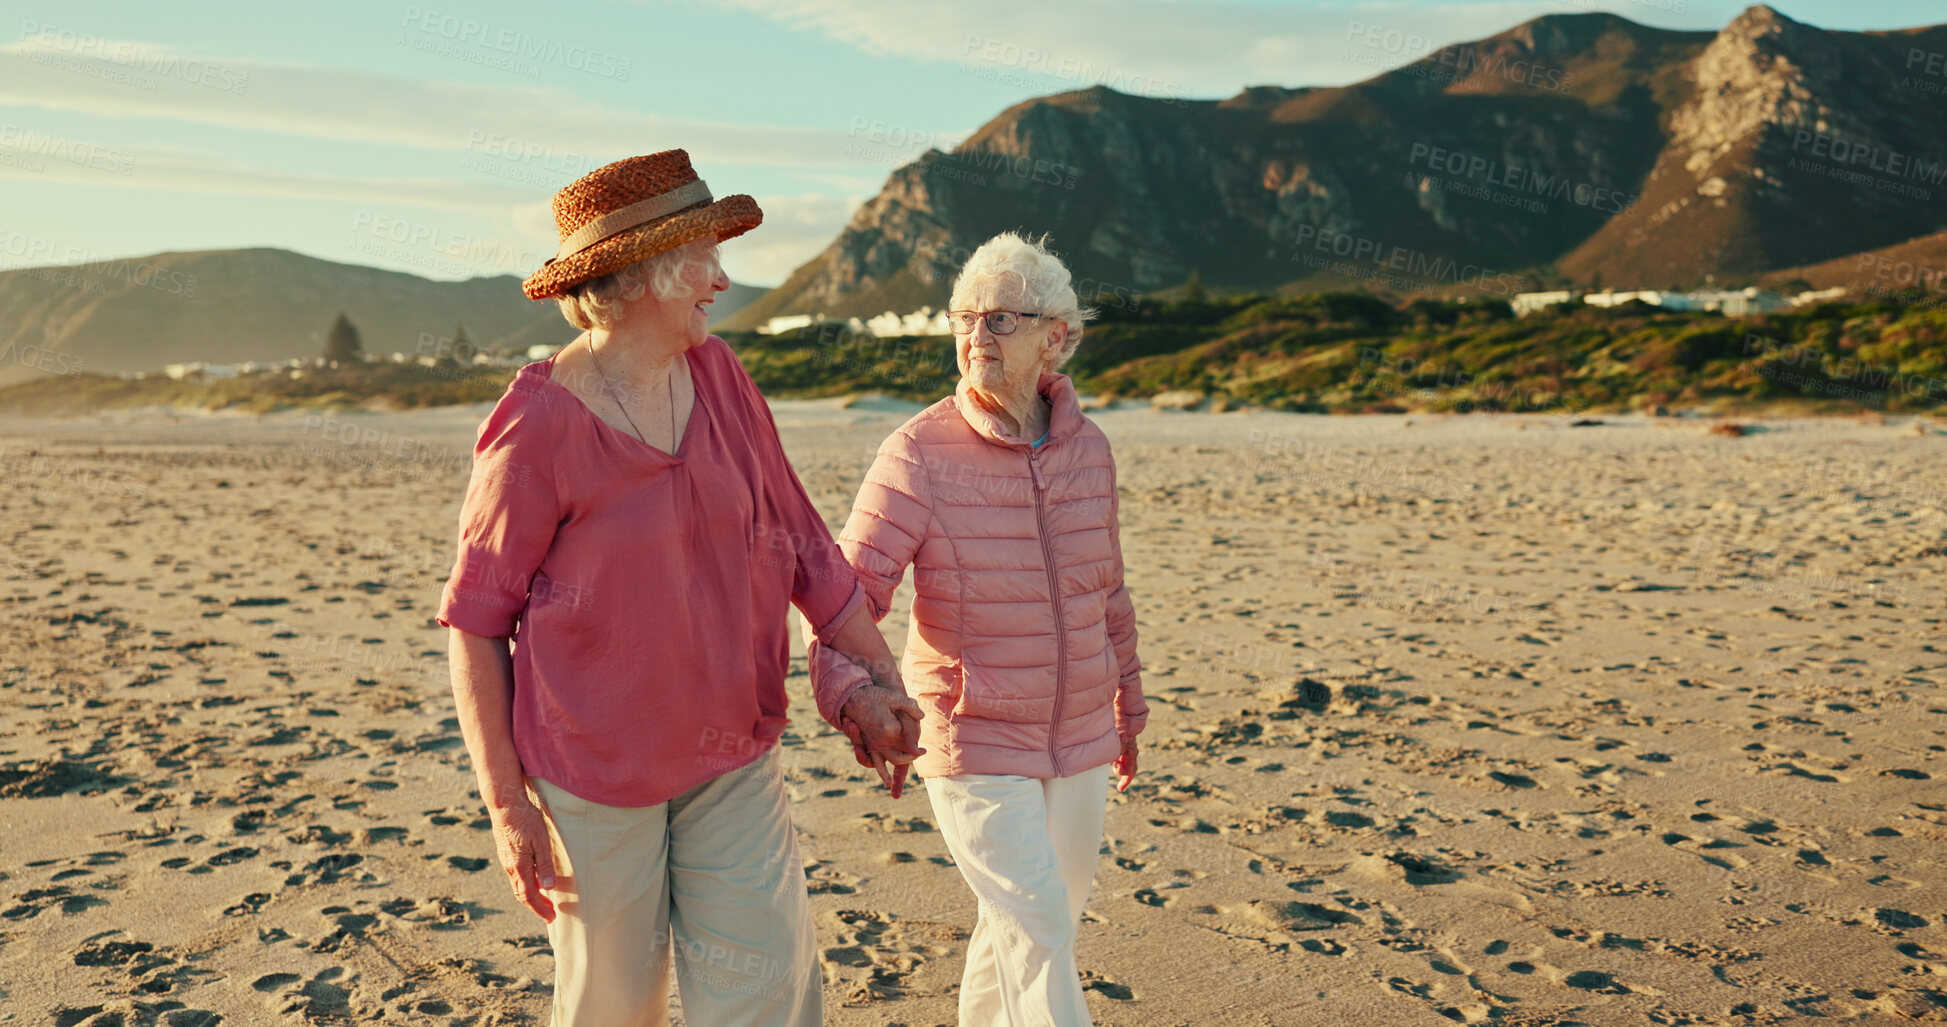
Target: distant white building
[1526,303]
[788,322]
[1818,296]
[924,321]
[1612,298]
[1728,302]
[542,351]
[1738,302]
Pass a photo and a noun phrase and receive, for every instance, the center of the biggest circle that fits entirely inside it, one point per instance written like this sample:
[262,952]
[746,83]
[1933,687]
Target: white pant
[1027,847]
[717,867]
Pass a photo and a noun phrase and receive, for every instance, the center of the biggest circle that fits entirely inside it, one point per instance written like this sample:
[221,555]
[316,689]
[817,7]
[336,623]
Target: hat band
[638,213]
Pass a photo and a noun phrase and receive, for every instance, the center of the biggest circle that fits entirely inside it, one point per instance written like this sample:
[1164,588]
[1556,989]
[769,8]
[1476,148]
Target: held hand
[521,841]
[1125,765]
[896,782]
[884,728]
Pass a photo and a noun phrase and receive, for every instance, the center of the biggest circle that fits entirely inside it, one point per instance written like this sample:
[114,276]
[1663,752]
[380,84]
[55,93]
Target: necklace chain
[668,379]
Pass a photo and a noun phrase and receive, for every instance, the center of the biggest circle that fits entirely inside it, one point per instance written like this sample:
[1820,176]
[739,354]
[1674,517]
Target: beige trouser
[715,871]
[1027,847]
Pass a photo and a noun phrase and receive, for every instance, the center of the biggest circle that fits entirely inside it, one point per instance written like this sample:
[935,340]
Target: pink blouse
[645,592]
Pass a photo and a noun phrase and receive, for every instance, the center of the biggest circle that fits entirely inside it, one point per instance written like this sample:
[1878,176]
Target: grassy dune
[1331,352]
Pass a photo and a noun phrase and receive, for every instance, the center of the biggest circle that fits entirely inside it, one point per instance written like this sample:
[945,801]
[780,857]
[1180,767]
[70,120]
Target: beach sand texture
[1488,720]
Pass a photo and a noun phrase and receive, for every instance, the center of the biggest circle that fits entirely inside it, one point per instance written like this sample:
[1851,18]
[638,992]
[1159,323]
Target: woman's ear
[1052,345]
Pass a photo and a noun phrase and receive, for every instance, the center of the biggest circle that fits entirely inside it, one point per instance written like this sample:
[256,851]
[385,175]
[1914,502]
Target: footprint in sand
[1725,860]
[878,955]
[1101,984]
[33,902]
[130,1013]
[326,996]
[821,878]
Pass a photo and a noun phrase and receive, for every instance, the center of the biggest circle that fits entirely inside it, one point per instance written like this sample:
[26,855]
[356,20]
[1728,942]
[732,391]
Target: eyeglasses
[1000,322]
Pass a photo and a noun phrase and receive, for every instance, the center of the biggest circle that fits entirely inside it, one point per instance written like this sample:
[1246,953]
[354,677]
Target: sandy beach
[1483,719]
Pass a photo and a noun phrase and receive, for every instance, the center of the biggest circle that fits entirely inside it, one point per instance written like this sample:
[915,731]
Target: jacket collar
[1064,415]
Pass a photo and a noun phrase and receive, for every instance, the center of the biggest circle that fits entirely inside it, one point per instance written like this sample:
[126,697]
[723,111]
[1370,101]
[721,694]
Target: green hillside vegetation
[376,385]
[1349,352]
[1343,352]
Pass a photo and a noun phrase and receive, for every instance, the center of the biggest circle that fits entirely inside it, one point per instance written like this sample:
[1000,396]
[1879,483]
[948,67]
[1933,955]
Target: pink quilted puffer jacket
[1023,644]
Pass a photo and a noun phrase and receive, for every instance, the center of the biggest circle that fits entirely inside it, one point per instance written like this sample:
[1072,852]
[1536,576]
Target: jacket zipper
[1054,594]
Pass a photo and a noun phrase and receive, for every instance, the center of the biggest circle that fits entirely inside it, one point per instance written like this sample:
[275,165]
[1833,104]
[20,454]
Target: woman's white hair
[1047,288]
[597,302]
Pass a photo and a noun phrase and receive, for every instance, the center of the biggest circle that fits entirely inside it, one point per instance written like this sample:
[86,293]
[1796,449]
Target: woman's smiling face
[685,315]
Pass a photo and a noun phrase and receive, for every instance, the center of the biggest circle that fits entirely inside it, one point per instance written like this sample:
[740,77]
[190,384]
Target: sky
[428,137]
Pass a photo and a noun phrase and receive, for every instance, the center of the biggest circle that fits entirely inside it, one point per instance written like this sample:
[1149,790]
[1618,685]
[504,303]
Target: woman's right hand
[521,841]
[883,726]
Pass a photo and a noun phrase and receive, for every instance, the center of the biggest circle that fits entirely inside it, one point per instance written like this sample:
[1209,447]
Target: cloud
[129,79]
[176,171]
[795,229]
[1163,48]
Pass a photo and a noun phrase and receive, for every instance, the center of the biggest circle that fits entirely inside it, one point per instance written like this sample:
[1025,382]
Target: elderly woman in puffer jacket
[1022,653]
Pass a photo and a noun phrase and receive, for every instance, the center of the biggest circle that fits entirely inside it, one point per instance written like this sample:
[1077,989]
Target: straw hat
[620,213]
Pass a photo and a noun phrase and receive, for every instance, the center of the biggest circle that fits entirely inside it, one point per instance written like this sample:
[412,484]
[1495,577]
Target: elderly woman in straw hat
[1022,652]
[633,529]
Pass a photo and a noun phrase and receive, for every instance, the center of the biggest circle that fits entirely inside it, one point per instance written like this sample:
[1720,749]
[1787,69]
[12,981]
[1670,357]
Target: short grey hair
[1047,287]
[597,302]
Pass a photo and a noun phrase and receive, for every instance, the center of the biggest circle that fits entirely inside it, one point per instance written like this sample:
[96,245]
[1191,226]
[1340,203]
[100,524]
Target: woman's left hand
[1125,765]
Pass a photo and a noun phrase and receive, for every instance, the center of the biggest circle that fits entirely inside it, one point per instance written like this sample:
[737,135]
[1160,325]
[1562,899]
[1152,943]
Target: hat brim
[727,218]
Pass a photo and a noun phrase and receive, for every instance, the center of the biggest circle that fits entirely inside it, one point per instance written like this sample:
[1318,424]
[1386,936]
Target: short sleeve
[508,521]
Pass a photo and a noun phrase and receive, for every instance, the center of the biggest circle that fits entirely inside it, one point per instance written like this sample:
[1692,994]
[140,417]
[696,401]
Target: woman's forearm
[483,698]
[858,639]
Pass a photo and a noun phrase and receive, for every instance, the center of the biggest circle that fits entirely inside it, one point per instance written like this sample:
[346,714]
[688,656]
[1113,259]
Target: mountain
[1792,145]
[732,300]
[1578,148]
[224,306]
[1910,272]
